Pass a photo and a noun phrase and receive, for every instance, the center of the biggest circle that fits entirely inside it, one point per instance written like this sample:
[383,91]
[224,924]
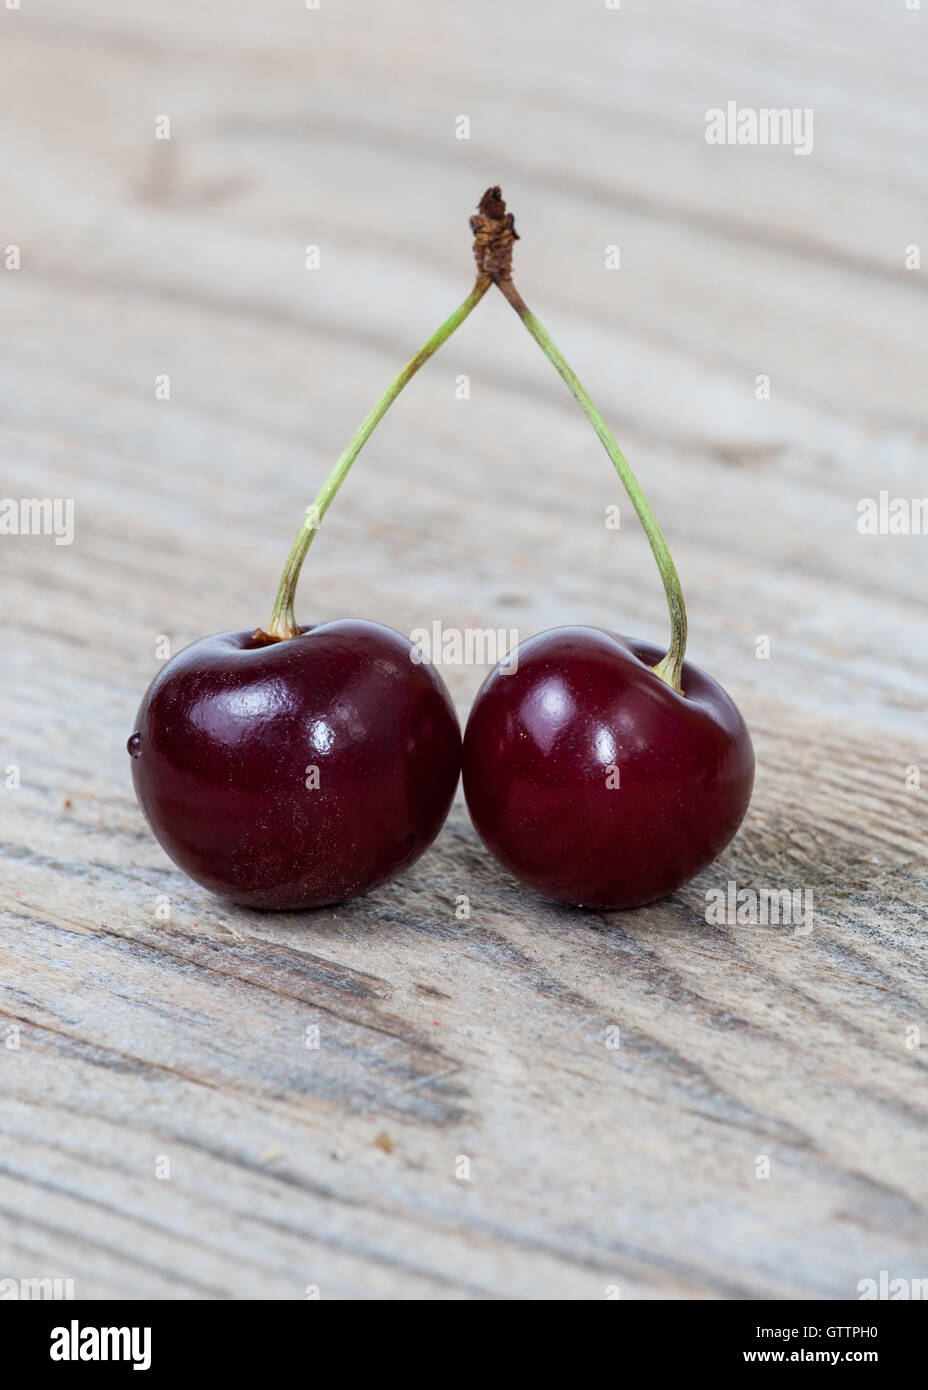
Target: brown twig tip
[494,232]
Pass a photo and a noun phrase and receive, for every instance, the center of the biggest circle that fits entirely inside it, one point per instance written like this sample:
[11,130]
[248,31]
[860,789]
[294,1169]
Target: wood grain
[143,1037]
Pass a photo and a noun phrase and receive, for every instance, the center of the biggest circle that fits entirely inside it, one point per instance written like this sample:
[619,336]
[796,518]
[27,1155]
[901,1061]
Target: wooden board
[132,1037]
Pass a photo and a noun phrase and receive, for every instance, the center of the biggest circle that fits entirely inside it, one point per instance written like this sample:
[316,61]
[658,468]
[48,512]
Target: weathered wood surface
[140,1037]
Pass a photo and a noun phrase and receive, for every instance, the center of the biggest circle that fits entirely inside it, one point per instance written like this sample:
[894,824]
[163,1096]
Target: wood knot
[494,232]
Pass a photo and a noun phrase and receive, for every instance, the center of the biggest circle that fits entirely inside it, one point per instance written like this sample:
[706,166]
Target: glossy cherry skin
[228,734]
[582,710]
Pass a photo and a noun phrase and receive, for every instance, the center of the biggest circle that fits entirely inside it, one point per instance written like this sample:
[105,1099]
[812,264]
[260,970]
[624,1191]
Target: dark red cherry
[296,773]
[593,781]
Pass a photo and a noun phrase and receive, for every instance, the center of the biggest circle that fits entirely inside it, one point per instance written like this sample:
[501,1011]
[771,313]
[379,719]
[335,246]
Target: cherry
[599,770]
[296,773]
[594,782]
[297,766]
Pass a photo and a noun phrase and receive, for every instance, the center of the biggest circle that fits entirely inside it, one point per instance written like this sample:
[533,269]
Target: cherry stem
[283,624]
[670,667]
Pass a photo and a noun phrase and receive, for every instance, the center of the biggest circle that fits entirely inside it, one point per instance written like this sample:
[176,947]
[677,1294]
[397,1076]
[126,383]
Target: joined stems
[283,624]
[494,235]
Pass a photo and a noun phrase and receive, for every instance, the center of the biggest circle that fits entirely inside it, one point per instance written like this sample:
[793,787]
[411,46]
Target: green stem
[671,666]
[283,624]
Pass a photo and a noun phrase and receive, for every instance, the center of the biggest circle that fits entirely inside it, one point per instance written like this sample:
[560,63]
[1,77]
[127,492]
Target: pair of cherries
[298,766]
